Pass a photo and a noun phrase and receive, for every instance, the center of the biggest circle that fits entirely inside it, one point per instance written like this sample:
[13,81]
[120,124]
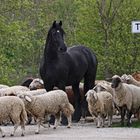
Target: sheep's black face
[115,82]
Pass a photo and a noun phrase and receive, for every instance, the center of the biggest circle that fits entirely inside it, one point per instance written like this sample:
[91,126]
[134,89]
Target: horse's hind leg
[77,113]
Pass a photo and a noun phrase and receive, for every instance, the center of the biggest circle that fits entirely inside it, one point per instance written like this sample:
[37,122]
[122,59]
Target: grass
[135,124]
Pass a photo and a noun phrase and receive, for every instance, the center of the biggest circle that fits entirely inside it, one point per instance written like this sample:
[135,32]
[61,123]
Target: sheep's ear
[103,86]
[27,98]
[95,96]
[95,87]
[41,81]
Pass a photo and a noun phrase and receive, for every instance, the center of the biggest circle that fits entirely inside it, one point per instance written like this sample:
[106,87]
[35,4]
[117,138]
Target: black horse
[62,66]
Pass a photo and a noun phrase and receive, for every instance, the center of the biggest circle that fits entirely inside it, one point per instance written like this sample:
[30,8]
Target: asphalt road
[78,131]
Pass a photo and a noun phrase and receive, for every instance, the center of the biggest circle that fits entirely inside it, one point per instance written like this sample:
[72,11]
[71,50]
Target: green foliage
[135,124]
[107,31]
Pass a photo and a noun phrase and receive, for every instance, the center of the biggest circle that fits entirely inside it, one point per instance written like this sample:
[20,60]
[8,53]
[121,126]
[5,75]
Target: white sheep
[100,105]
[127,98]
[130,80]
[12,90]
[106,86]
[32,92]
[3,86]
[36,84]
[12,108]
[53,102]
[103,86]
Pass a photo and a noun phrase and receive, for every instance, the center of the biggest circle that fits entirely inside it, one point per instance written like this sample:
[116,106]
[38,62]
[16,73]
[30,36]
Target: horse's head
[56,36]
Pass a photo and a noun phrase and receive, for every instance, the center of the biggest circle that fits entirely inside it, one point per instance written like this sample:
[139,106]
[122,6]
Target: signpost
[135,26]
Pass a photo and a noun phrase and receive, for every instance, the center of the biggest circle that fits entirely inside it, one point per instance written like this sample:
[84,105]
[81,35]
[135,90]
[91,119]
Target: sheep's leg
[16,121]
[57,120]
[42,123]
[38,126]
[129,114]
[46,119]
[123,110]
[15,128]
[69,121]
[23,128]
[29,118]
[98,121]
[2,133]
[103,121]
[109,120]
[94,118]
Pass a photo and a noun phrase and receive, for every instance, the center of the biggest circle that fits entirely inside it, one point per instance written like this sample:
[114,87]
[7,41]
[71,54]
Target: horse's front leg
[48,86]
[77,114]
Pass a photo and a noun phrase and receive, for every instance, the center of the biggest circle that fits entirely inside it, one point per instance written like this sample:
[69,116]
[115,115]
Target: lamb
[53,102]
[130,80]
[106,86]
[127,98]
[100,105]
[12,108]
[12,90]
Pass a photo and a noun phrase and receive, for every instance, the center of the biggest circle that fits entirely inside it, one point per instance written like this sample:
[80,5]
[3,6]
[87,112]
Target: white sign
[135,26]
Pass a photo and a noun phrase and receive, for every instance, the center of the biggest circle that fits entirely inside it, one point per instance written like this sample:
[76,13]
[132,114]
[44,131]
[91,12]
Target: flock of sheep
[17,103]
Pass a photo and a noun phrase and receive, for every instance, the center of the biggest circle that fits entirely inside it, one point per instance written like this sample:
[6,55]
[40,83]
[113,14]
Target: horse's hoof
[68,127]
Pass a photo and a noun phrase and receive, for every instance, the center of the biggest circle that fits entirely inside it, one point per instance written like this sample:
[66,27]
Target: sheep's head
[102,86]
[116,80]
[91,96]
[127,78]
[36,84]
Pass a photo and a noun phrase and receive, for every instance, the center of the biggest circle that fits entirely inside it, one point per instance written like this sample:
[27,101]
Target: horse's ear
[54,23]
[60,23]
